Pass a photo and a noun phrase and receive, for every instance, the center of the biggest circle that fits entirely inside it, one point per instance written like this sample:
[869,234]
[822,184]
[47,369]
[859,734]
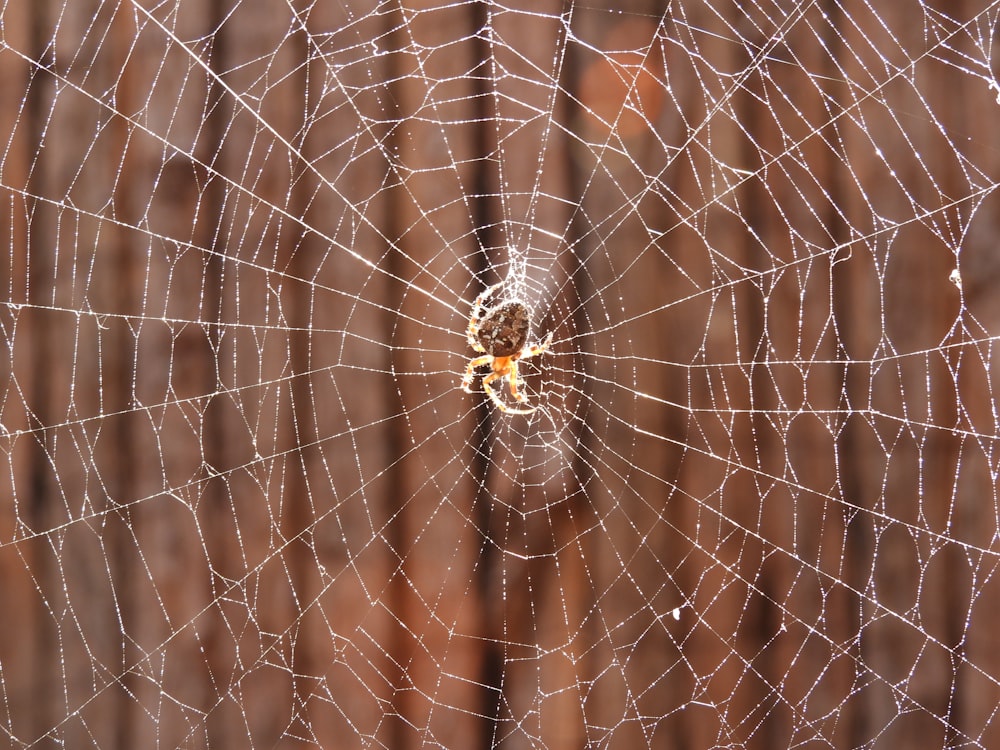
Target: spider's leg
[513,383]
[496,399]
[470,371]
[491,393]
[531,351]
[473,329]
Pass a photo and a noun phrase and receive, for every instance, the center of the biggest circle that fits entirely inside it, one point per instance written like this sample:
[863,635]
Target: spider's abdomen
[504,329]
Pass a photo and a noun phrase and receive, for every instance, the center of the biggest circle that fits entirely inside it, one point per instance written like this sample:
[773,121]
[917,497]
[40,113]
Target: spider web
[245,501]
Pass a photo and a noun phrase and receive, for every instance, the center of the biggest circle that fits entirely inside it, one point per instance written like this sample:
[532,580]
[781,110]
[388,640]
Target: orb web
[246,502]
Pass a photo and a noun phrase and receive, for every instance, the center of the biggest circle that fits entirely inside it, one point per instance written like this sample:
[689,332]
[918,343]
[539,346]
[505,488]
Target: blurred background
[245,503]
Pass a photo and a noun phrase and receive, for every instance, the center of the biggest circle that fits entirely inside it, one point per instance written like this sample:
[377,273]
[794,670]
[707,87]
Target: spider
[501,333]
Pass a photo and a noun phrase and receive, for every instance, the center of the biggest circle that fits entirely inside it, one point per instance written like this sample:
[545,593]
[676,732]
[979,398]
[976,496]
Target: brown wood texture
[245,504]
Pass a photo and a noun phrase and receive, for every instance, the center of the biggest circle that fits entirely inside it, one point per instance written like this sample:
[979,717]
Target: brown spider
[500,332]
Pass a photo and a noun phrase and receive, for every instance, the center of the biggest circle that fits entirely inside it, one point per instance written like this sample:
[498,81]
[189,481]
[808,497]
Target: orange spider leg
[501,366]
[491,393]
[513,383]
[505,366]
[470,371]
[537,349]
